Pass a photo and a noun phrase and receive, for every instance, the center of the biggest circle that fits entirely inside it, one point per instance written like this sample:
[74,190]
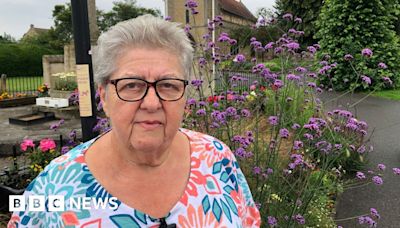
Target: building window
[187,16]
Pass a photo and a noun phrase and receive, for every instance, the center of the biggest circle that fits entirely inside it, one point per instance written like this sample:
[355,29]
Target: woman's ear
[103,97]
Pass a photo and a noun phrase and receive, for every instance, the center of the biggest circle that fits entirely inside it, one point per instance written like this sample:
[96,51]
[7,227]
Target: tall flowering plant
[292,152]
[39,155]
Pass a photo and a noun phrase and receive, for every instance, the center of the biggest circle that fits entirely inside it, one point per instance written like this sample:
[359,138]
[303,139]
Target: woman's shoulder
[206,144]
[196,136]
[75,155]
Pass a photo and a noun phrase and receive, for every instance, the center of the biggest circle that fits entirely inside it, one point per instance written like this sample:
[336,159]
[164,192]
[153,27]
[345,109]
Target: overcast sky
[17,15]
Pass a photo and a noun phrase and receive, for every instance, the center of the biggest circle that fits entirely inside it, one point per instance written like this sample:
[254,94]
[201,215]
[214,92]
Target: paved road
[383,116]
[11,134]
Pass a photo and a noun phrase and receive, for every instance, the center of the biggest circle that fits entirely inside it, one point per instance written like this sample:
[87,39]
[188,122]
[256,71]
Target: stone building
[233,12]
[32,32]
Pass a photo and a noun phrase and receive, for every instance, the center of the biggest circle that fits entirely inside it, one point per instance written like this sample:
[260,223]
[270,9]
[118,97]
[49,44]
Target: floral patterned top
[216,195]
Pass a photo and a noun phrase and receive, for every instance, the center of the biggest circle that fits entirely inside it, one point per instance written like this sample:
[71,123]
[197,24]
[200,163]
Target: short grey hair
[143,31]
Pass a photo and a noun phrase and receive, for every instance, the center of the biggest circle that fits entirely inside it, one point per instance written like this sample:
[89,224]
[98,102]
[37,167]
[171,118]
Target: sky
[16,16]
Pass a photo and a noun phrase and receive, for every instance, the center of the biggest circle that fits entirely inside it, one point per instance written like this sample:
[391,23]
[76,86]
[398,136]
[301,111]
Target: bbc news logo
[58,203]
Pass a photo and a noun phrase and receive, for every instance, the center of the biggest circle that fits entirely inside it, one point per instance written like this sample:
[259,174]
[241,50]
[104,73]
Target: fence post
[3,83]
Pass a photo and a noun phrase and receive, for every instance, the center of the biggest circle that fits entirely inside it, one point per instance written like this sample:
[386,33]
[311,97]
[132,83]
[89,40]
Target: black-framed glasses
[135,89]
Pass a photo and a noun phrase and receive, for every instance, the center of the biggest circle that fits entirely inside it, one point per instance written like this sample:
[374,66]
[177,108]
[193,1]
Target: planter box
[60,93]
[4,196]
[52,102]
[17,101]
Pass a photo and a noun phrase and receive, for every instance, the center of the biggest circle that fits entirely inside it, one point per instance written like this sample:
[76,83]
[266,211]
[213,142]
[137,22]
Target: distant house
[233,12]
[32,32]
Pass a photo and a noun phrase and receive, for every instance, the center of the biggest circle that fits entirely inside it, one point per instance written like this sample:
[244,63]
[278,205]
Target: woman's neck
[128,158]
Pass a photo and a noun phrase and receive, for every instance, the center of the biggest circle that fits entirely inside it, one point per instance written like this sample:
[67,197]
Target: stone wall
[52,64]
[69,58]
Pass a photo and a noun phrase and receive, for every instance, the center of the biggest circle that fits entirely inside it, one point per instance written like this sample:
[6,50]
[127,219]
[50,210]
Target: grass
[23,84]
[388,94]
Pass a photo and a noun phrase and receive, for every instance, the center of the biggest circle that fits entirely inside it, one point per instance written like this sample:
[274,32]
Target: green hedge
[22,59]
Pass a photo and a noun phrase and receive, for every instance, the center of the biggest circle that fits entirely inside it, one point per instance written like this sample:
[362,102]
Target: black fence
[235,80]
[16,86]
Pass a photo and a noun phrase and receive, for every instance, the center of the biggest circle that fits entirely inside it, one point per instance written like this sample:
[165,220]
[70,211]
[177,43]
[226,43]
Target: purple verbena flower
[382,65]
[296,126]
[293,77]
[360,175]
[301,69]
[270,45]
[297,145]
[288,16]
[257,170]
[367,52]
[348,57]
[299,219]
[377,180]
[366,79]
[191,101]
[381,167]
[312,49]
[298,20]
[273,120]
[245,113]
[72,134]
[197,83]
[239,58]
[284,133]
[187,28]
[396,171]
[54,126]
[272,221]
[374,213]
[202,62]
[278,83]
[387,80]
[293,45]
[361,149]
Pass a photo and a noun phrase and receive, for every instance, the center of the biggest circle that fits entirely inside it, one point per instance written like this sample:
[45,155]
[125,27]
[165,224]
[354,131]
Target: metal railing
[235,80]
[20,85]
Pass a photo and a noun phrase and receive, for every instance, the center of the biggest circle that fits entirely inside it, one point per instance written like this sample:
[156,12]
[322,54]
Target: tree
[307,10]
[122,11]
[7,38]
[61,33]
[347,27]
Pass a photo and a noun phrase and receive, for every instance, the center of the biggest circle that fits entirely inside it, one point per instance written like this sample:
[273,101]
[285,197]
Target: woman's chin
[152,144]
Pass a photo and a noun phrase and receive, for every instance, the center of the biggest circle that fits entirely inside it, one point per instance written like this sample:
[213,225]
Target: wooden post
[3,83]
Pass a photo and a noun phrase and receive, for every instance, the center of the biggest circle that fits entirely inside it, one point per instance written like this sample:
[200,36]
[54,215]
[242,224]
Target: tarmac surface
[12,134]
[383,118]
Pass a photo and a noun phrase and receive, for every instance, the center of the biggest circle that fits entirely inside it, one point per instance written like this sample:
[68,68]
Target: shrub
[348,27]
[22,59]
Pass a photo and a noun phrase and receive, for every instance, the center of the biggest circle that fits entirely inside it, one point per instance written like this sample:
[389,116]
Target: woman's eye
[132,86]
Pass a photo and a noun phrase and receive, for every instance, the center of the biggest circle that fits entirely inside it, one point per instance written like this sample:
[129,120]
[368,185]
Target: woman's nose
[151,101]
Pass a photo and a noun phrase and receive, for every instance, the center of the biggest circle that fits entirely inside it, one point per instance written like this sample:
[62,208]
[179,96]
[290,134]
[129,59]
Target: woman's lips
[150,125]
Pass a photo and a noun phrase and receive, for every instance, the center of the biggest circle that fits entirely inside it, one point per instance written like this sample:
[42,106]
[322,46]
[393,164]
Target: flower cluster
[39,155]
[43,90]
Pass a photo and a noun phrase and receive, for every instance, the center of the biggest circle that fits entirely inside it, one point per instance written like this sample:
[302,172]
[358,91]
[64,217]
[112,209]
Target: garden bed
[19,101]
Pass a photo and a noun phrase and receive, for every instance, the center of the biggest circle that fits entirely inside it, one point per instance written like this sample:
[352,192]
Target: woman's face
[150,123]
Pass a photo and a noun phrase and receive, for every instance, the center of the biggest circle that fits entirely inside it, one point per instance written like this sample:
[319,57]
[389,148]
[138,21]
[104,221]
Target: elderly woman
[161,175]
